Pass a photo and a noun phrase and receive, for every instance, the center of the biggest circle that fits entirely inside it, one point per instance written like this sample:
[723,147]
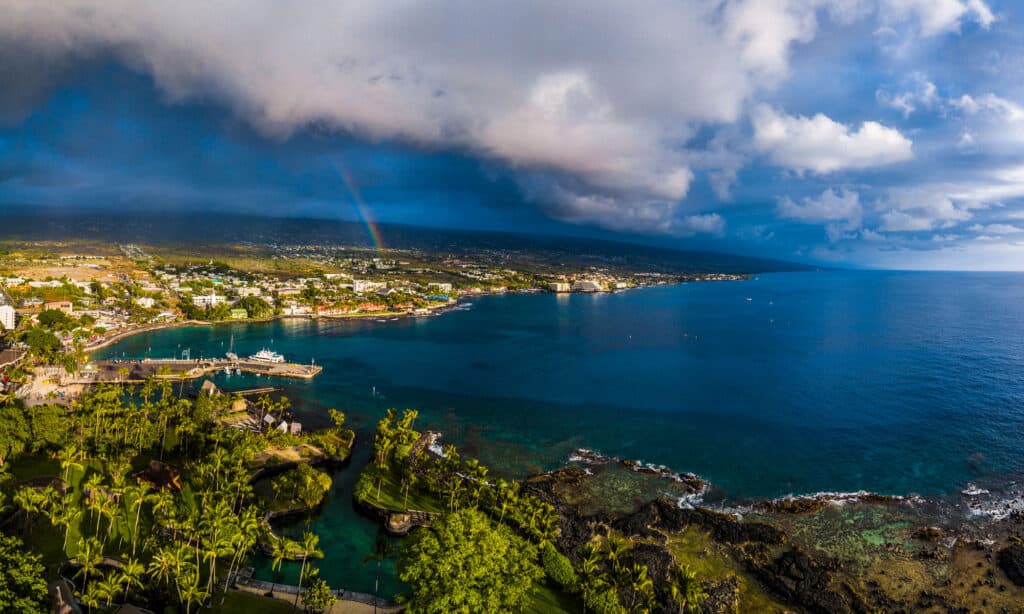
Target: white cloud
[995,229]
[920,93]
[991,104]
[841,212]
[944,205]
[822,145]
[937,16]
[901,221]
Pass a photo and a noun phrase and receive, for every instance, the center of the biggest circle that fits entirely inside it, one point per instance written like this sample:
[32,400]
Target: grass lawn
[248,603]
[392,498]
[547,600]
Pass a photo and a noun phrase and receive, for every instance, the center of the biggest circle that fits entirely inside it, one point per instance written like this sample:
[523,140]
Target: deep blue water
[837,381]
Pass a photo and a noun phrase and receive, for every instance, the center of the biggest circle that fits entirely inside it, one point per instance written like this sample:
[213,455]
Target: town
[60,301]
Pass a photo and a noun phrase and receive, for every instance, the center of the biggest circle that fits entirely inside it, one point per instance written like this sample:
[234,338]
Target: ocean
[787,383]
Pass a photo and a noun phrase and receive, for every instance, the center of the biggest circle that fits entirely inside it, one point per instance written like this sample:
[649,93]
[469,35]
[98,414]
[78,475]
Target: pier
[136,371]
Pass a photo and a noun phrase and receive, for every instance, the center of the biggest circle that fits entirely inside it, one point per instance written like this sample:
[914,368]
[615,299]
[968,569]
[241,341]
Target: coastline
[434,311]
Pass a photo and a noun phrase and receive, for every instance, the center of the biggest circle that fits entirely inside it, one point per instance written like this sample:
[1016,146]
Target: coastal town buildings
[587,285]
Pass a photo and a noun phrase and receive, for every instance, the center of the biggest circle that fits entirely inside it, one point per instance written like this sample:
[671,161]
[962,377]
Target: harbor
[136,371]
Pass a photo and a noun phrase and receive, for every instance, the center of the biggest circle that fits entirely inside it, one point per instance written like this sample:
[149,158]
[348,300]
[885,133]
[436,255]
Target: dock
[137,371]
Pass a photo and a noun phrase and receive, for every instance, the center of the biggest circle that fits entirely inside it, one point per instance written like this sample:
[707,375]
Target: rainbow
[364,213]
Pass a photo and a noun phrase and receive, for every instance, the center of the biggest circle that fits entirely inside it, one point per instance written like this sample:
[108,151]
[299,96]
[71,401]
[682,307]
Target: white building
[587,285]
[6,312]
[559,286]
[440,287]
[249,291]
[145,302]
[208,300]
[360,286]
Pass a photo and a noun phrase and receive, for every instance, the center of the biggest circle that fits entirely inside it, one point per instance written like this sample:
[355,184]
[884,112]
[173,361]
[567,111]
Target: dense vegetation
[88,488]
[479,517]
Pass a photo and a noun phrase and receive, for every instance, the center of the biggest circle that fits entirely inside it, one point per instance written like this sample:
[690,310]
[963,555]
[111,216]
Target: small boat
[227,370]
[392,319]
[238,371]
[748,299]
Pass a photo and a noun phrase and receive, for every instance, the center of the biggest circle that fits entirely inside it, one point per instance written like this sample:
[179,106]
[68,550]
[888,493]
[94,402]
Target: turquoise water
[827,381]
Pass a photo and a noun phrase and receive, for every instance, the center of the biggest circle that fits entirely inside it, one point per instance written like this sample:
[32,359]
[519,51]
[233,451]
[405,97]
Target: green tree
[686,591]
[256,307]
[317,597]
[303,485]
[464,564]
[309,550]
[558,567]
[22,583]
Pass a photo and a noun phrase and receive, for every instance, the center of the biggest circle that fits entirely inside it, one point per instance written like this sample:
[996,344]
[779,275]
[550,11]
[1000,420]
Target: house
[145,302]
[295,428]
[65,306]
[245,291]
[441,287]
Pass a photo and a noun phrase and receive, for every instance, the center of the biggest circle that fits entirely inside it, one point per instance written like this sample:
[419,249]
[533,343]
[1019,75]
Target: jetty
[137,371]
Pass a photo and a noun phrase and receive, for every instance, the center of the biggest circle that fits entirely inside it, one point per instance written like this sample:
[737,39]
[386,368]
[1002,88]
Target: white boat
[266,355]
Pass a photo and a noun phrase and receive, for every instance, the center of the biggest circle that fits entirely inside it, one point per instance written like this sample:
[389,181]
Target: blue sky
[885,133]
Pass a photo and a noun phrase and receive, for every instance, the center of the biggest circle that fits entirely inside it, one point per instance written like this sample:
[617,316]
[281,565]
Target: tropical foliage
[148,498]
[464,563]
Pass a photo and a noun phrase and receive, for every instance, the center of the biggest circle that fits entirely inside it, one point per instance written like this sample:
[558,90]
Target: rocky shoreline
[828,552]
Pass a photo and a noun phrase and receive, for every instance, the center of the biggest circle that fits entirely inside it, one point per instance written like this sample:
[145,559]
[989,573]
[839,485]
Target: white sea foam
[999,508]
[973,491]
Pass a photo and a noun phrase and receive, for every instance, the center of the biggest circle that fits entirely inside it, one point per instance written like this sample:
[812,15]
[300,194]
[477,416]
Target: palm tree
[686,590]
[191,593]
[162,566]
[247,528]
[90,555]
[107,589]
[381,550]
[65,514]
[279,552]
[642,586]
[614,546]
[131,576]
[134,497]
[69,457]
[309,549]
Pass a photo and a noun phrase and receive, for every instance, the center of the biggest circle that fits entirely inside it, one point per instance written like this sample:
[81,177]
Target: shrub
[558,567]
